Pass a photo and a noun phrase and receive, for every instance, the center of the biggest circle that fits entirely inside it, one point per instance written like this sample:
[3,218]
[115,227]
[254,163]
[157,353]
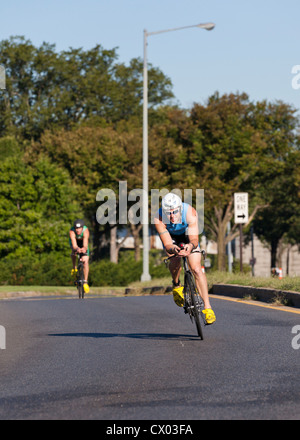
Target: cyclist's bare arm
[193,232]
[165,237]
[73,240]
[86,236]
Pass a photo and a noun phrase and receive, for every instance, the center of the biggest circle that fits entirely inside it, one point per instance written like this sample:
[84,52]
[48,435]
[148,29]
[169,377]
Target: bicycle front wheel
[80,282]
[190,286]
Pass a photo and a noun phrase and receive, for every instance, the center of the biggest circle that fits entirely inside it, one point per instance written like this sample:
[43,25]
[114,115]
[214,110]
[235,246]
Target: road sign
[240,208]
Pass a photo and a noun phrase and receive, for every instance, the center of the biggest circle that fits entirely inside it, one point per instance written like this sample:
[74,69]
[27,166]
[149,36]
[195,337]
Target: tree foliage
[71,124]
[50,90]
[37,206]
[233,145]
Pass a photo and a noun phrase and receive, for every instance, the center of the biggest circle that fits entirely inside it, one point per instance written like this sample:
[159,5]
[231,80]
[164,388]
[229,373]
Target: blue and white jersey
[175,228]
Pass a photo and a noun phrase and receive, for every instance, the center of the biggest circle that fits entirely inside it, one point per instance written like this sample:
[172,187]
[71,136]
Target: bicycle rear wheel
[195,309]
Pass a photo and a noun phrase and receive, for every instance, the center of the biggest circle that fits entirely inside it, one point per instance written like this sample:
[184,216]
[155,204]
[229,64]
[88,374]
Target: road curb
[154,290]
[259,293]
[267,295]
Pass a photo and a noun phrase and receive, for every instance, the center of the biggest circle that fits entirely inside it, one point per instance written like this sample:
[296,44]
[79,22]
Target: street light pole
[145,275]
[145,214]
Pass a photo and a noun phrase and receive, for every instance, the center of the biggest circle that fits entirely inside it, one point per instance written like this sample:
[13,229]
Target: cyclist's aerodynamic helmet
[171,201]
[79,223]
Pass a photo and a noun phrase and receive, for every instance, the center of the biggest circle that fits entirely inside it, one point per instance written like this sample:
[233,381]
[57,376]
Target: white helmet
[171,201]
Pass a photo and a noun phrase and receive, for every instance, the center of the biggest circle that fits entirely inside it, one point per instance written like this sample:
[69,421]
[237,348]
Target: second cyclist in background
[177,223]
[79,242]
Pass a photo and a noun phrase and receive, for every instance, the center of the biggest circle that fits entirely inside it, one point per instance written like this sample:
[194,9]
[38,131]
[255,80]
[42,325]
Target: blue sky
[252,49]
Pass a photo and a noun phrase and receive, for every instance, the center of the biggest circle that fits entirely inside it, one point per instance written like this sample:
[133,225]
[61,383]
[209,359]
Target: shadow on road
[155,336]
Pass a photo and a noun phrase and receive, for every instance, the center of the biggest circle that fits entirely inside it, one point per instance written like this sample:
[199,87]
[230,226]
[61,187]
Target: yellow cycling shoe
[86,288]
[74,271]
[178,296]
[210,316]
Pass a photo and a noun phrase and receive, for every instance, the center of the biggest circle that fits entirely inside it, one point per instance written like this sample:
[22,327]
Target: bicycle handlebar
[81,254]
[184,256]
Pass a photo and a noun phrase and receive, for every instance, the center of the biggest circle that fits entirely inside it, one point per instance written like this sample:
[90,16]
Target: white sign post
[241,217]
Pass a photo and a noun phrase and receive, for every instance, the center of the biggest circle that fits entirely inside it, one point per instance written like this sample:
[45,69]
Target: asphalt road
[138,358]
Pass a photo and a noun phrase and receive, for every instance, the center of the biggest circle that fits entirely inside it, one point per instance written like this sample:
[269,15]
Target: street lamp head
[207,26]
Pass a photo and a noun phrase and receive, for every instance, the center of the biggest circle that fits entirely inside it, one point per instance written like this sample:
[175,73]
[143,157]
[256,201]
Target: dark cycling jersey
[79,239]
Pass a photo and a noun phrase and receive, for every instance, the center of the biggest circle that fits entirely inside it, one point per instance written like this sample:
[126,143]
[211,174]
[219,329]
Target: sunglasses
[172,212]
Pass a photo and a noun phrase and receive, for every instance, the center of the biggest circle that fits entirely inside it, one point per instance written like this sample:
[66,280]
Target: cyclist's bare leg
[200,278]
[175,269]
[73,256]
[85,260]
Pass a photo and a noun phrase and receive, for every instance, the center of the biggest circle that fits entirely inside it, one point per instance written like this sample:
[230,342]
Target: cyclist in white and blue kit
[177,223]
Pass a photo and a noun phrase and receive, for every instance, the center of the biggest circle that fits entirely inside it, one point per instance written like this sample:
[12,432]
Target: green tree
[36,208]
[94,158]
[50,90]
[16,56]
[278,225]
[244,147]
[229,145]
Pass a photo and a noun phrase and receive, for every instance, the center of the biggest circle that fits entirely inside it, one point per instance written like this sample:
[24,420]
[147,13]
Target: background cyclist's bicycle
[79,282]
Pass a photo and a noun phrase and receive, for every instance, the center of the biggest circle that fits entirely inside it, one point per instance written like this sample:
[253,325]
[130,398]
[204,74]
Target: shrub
[46,270]
[54,270]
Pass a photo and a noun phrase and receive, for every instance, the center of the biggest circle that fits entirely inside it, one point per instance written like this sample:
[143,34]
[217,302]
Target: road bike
[80,276]
[193,303]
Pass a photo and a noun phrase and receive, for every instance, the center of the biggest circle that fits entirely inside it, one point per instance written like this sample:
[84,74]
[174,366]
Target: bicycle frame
[193,303]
